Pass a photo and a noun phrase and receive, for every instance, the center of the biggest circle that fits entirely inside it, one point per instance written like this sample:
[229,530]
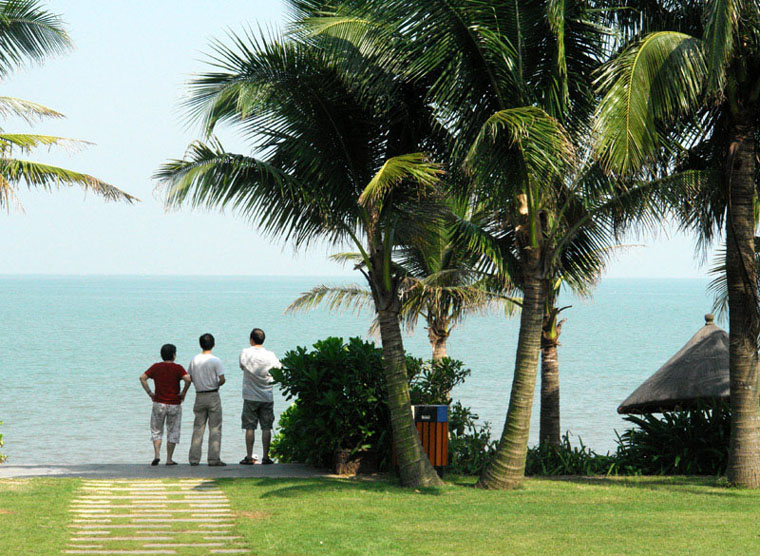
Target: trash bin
[432,422]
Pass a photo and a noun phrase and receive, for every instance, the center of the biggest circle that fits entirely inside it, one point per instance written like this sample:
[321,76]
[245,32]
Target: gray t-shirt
[256,362]
[205,370]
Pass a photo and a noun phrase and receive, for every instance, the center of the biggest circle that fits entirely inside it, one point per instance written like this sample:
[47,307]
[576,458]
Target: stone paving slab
[204,525]
[146,471]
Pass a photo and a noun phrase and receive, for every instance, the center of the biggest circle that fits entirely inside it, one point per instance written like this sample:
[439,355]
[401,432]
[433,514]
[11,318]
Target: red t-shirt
[166,377]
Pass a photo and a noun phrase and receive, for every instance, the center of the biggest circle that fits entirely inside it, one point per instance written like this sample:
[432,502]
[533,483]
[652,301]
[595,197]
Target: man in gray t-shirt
[207,373]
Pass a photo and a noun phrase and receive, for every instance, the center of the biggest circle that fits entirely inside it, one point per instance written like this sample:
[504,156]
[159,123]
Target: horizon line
[127,275]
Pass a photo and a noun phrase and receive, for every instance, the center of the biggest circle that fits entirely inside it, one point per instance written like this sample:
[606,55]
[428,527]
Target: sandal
[266,461]
[246,461]
[171,463]
[155,461]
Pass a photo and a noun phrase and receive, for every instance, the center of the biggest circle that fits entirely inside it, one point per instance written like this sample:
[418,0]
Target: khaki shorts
[172,415]
[258,412]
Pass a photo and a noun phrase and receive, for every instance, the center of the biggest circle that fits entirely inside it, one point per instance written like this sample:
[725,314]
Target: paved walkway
[183,516]
[146,471]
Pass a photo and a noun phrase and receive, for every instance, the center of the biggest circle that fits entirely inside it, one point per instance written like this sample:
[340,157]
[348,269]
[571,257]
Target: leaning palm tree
[682,103]
[336,156]
[29,33]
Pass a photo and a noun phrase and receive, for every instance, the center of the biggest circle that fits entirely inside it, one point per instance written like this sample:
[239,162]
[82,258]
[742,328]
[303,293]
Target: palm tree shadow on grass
[292,488]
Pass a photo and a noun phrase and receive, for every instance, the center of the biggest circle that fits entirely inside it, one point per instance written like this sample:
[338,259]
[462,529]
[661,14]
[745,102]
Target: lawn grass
[34,515]
[649,515]
[653,515]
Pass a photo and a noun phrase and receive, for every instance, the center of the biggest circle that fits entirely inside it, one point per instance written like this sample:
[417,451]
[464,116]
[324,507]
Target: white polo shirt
[256,362]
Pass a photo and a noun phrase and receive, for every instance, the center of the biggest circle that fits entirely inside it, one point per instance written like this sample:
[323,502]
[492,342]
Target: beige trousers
[208,407]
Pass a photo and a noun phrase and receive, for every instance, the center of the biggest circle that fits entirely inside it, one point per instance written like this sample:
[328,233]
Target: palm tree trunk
[439,349]
[414,467]
[744,449]
[437,339]
[507,468]
[549,434]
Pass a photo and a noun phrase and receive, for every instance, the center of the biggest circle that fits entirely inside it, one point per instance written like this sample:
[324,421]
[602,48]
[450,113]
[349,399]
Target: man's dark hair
[258,336]
[206,341]
[168,351]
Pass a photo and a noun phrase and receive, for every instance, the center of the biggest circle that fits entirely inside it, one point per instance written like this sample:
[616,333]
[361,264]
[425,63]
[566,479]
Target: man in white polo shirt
[207,373]
[258,404]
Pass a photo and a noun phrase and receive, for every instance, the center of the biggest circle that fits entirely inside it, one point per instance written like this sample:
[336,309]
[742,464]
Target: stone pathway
[184,516]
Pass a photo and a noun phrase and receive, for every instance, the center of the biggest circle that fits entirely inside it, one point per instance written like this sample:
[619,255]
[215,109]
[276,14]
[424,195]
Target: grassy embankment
[585,516]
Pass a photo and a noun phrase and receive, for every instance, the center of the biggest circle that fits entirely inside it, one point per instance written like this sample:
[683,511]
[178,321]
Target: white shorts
[172,414]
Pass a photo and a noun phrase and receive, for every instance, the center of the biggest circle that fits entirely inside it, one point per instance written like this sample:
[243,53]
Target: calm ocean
[73,348]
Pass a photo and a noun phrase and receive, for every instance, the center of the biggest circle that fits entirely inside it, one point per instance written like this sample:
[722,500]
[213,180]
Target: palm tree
[681,103]
[444,285]
[338,158]
[549,417]
[511,82]
[30,33]
[440,284]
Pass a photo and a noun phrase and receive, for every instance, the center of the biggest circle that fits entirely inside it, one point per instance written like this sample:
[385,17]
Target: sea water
[72,349]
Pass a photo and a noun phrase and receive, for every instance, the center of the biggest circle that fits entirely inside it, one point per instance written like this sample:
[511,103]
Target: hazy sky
[121,88]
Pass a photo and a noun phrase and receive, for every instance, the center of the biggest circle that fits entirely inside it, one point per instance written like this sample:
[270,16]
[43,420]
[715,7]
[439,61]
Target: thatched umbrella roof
[699,371]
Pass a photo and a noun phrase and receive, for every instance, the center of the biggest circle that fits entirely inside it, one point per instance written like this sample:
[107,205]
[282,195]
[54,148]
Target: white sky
[121,88]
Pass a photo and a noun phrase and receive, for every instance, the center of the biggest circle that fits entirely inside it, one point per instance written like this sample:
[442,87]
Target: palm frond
[210,177]
[718,286]
[544,149]
[350,297]
[414,167]
[8,197]
[44,176]
[347,257]
[650,84]
[28,32]
[721,22]
[29,111]
[25,142]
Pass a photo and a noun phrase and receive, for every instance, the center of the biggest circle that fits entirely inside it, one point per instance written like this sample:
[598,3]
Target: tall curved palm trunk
[507,468]
[744,325]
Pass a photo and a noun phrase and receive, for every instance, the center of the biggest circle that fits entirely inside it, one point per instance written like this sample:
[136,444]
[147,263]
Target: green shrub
[338,390]
[678,443]
[340,402]
[567,459]
[470,445]
[2,457]
[691,442]
[431,382]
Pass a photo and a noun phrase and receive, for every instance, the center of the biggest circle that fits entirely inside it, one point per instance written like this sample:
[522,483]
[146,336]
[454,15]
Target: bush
[470,445]
[340,402]
[679,443]
[431,382]
[693,442]
[339,393]
[2,457]
[566,459]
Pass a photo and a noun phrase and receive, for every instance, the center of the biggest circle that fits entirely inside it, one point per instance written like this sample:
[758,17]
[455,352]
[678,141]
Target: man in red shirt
[167,401]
